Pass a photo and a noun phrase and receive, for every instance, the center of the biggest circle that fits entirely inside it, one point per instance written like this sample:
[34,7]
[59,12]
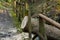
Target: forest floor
[7,30]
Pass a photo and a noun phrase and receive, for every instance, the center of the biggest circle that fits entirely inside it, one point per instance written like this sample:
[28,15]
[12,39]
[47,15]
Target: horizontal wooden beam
[56,24]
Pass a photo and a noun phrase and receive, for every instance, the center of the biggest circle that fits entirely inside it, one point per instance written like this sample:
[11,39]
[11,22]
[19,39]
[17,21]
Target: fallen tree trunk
[50,30]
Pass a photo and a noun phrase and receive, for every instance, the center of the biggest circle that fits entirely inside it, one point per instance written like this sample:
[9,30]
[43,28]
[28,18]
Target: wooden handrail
[56,24]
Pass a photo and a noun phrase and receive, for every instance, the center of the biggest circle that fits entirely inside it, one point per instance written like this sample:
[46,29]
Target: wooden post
[29,19]
[41,23]
[42,29]
[29,25]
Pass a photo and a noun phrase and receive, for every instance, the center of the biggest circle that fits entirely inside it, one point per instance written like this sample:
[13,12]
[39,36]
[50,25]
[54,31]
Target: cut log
[50,30]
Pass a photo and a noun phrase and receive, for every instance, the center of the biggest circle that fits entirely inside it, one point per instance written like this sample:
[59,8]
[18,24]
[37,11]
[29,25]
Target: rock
[20,36]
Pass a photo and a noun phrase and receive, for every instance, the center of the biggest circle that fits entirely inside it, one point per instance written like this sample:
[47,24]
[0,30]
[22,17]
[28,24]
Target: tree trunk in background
[19,10]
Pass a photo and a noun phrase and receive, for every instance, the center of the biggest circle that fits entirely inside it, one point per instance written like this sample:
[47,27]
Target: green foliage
[1,6]
[15,21]
[6,0]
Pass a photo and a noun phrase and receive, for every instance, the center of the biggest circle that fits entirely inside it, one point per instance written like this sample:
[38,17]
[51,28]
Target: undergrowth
[16,23]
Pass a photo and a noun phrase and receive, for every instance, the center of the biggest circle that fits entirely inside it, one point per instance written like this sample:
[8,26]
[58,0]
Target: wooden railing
[42,33]
[56,24]
[41,23]
[41,17]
